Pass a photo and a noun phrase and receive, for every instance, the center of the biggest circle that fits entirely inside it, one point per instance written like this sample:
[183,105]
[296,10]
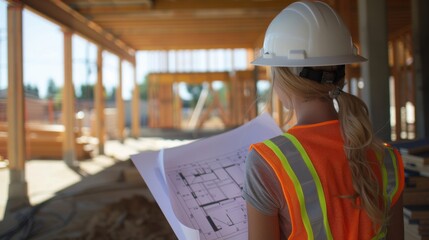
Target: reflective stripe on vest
[389,173]
[389,170]
[307,185]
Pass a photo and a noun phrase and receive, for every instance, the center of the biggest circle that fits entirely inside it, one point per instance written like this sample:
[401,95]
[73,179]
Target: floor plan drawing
[209,192]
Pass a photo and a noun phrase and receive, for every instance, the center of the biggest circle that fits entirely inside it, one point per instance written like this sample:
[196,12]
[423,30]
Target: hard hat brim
[276,61]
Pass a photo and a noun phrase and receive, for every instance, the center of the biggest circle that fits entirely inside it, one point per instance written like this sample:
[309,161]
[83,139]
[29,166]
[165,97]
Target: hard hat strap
[323,76]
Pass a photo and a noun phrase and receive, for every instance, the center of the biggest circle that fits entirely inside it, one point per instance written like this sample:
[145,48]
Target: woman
[328,177]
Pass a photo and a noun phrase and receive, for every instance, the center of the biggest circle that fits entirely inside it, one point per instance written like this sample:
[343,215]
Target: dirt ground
[130,218]
[119,208]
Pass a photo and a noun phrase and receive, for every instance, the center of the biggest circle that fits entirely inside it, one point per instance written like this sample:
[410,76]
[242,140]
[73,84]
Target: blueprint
[198,185]
[209,193]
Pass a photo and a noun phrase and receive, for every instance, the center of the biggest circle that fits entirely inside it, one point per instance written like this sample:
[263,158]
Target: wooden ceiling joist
[189,24]
[62,14]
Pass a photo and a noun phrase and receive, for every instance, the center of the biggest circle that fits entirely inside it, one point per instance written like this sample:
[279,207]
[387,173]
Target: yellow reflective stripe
[380,235]
[395,167]
[384,176]
[296,183]
[316,179]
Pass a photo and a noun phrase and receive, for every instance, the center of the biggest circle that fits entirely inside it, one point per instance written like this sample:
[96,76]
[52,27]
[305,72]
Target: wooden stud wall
[400,61]
[162,103]
[165,105]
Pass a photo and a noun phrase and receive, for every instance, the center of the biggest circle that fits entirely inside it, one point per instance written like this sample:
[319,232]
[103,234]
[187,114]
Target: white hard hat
[307,34]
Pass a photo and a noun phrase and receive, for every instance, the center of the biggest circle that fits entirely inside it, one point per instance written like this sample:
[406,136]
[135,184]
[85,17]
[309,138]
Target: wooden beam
[16,145]
[68,100]
[397,89]
[135,113]
[152,45]
[99,102]
[120,105]
[59,12]
[165,5]
[112,3]
[227,15]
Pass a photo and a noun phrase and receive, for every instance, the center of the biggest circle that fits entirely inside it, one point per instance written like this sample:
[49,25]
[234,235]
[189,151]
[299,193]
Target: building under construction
[65,170]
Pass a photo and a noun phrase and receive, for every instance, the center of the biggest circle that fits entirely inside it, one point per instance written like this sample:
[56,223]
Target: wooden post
[375,72]
[229,95]
[152,101]
[411,83]
[15,109]
[255,83]
[68,110]
[250,57]
[233,93]
[398,86]
[177,108]
[99,102]
[135,122]
[233,98]
[120,105]
[420,22]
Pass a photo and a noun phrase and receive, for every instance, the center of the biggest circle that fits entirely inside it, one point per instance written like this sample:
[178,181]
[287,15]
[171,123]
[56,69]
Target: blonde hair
[356,130]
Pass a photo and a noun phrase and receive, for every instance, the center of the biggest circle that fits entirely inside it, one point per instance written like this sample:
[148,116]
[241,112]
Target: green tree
[52,89]
[86,92]
[58,99]
[111,96]
[143,88]
[195,91]
[31,90]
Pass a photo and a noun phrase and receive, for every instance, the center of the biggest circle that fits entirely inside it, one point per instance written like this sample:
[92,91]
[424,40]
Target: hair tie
[335,92]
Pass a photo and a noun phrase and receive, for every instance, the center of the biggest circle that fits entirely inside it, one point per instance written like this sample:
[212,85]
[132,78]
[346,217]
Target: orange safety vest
[305,196]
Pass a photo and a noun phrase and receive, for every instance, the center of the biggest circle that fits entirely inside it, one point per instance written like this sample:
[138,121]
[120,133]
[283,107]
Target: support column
[235,94]
[135,113]
[250,57]
[16,146]
[120,105]
[252,54]
[420,23]
[68,110]
[99,102]
[375,72]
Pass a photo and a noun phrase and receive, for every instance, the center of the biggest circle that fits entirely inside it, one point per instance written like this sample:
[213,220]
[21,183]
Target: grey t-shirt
[263,191]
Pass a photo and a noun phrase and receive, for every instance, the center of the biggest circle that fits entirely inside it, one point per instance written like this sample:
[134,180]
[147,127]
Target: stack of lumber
[415,155]
[45,141]
[416,208]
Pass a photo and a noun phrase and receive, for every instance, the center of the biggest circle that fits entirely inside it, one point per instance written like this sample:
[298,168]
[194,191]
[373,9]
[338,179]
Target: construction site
[86,84]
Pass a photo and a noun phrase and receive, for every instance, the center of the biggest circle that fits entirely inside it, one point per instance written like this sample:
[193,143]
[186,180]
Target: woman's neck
[314,111]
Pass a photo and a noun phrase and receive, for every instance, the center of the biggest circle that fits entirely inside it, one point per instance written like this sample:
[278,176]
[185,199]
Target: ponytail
[358,137]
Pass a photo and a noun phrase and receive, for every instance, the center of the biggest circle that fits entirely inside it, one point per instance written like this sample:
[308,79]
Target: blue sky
[43,57]
[3,47]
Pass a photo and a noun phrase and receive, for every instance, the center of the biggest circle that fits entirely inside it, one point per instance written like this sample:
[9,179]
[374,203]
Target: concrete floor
[66,203]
